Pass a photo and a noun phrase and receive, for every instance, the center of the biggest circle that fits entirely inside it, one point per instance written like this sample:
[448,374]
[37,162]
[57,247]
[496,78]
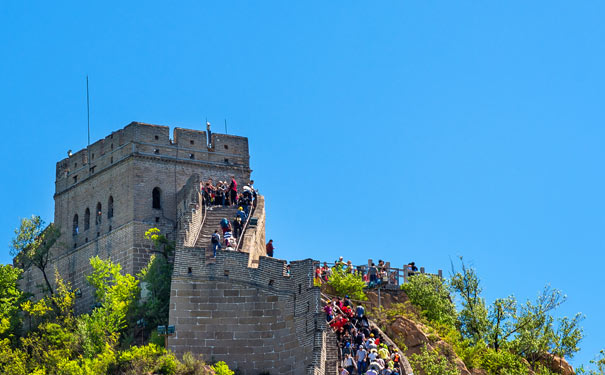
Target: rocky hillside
[405,325]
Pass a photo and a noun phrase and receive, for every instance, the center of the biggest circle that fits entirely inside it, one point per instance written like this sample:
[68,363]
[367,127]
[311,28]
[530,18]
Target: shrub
[431,295]
[430,362]
[221,368]
[345,283]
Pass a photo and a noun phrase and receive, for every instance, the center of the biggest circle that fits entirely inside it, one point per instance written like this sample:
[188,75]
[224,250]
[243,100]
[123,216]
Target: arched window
[75,226]
[99,214]
[87,219]
[156,196]
[110,207]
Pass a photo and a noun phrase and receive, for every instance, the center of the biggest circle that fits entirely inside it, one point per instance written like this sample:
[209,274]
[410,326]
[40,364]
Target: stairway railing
[240,238]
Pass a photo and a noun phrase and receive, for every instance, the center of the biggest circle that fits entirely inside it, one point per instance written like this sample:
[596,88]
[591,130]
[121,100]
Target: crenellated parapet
[255,319]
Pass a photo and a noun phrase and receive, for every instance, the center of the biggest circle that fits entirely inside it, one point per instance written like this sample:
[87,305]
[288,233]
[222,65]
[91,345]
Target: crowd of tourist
[226,194]
[373,275]
[361,349]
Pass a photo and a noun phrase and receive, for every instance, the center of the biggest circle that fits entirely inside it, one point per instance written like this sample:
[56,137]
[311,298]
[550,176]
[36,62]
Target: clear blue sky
[402,130]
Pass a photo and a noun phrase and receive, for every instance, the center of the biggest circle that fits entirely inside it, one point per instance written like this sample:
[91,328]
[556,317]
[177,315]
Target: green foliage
[534,327]
[152,304]
[431,295]
[345,283]
[148,359]
[501,320]
[502,362]
[61,343]
[115,292]
[596,366]
[161,244]
[221,368]
[155,281]
[431,362]
[567,336]
[32,243]
[10,300]
[472,319]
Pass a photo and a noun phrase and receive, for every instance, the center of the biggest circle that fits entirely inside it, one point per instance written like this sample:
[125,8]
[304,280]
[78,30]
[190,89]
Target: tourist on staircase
[216,242]
[361,349]
[233,191]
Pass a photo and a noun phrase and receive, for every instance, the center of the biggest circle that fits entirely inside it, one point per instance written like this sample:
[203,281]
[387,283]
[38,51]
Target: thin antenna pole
[88,110]
[226,126]
[88,118]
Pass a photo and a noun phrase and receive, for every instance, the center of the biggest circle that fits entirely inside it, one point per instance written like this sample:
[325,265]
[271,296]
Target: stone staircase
[212,223]
[333,359]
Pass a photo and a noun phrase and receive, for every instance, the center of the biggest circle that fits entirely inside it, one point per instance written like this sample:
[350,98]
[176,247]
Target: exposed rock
[412,334]
[387,297]
[557,364]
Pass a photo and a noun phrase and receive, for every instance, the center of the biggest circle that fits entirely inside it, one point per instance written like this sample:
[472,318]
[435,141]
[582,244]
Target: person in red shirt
[233,191]
[270,248]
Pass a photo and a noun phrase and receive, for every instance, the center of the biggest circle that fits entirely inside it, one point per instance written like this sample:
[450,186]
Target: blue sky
[401,130]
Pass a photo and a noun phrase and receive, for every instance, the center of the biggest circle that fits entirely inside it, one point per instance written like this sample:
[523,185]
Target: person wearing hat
[241,214]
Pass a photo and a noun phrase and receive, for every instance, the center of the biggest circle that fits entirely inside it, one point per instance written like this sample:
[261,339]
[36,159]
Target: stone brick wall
[124,168]
[74,264]
[255,319]
[254,241]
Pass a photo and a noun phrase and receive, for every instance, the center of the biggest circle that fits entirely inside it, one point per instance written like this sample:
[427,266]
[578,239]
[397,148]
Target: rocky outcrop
[557,364]
[413,335]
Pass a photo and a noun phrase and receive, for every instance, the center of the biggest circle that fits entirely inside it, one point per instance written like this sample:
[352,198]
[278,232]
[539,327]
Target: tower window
[75,230]
[156,151]
[191,142]
[75,179]
[226,147]
[99,214]
[191,156]
[110,207]
[156,196]
[87,219]
[156,137]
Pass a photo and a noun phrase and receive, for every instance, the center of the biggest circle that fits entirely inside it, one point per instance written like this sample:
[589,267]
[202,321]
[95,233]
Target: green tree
[567,336]
[472,319]
[431,294]
[501,321]
[11,298]
[32,244]
[533,331]
[152,306]
[345,283]
[161,243]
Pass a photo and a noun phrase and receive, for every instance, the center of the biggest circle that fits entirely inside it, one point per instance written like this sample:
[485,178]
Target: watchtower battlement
[137,138]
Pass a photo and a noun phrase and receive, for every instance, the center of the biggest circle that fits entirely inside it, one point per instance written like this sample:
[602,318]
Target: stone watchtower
[255,312]
[109,194]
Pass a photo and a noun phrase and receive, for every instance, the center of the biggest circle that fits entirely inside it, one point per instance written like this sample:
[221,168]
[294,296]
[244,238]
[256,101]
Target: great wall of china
[240,306]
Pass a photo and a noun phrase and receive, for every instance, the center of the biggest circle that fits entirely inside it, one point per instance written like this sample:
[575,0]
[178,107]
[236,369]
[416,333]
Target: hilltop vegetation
[46,337]
[506,337]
